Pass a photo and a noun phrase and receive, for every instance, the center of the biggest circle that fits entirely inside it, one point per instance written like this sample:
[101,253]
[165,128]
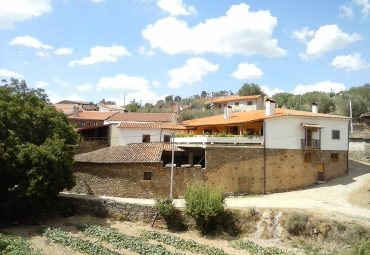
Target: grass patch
[296,224]
[254,248]
[182,244]
[15,245]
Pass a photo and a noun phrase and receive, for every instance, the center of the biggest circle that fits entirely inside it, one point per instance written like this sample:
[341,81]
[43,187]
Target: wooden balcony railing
[310,144]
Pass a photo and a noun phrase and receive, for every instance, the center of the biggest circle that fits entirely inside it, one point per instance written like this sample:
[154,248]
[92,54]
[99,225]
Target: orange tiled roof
[67,108]
[235,98]
[93,115]
[149,125]
[253,116]
[132,153]
[143,117]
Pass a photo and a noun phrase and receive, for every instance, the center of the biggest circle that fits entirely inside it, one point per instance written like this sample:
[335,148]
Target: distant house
[111,108]
[69,109]
[127,128]
[239,103]
[90,118]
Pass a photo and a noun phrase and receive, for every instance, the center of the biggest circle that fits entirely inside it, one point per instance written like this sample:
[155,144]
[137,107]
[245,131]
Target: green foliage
[197,113]
[133,106]
[165,207]
[15,245]
[203,204]
[132,243]
[182,244]
[361,249]
[296,224]
[249,89]
[35,153]
[254,248]
[57,235]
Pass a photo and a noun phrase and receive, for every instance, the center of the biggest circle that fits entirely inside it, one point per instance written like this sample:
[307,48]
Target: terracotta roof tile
[149,125]
[253,116]
[132,153]
[143,117]
[93,115]
[235,98]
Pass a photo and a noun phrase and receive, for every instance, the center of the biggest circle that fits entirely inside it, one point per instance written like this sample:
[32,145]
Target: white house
[239,103]
[128,128]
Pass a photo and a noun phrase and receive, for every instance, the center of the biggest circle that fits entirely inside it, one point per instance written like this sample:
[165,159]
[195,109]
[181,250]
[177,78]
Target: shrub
[296,224]
[165,207]
[203,204]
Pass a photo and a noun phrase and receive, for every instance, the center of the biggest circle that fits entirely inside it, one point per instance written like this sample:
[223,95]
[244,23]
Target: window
[250,103]
[335,134]
[146,138]
[167,138]
[83,124]
[334,157]
[236,103]
[147,176]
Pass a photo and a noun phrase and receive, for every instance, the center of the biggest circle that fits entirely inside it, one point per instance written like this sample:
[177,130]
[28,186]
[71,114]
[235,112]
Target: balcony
[310,144]
[252,139]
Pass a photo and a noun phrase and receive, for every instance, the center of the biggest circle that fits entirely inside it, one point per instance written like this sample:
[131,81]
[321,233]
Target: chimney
[315,108]
[76,110]
[228,112]
[270,107]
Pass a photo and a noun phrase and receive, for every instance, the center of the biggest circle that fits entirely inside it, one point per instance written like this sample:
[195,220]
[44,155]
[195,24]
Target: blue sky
[146,49]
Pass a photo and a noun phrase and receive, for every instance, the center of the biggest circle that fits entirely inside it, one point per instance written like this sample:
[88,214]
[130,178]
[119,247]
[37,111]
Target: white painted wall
[243,105]
[124,136]
[286,132]
[357,146]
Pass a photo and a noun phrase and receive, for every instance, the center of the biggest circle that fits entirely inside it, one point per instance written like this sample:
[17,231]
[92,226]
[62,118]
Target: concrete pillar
[191,158]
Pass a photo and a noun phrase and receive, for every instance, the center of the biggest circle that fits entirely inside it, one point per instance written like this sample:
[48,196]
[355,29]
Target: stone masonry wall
[127,180]
[235,169]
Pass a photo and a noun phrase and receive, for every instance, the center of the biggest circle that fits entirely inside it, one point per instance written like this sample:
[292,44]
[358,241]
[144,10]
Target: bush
[203,204]
[165,207]
[296,224]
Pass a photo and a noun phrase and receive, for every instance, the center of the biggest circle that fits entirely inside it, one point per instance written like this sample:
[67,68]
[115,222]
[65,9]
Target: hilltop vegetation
[199,105]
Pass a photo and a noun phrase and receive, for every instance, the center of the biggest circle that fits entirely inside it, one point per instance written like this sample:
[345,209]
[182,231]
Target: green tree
[282,99]
[133,106]
[168,99]
[249,89]
[35,152]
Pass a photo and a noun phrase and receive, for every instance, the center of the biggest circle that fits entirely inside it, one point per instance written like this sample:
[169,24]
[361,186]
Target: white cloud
[345,11]
[192,72]
[351,62]
[240,31]
[10,74]
[43,54]
[145,96]
[175,7]
[12,11]
[100,54]
[270,92]
[85,87]
[63,51]
[328,38]
[303,35]
[97,1]
[365,5]
[145,52]
[156,84]
[123,82]
[247,71]
[60,82]
[29,41]
[41,84]
[324,86]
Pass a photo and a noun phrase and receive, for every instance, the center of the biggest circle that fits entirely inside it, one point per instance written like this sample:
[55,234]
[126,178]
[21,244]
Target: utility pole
[172,163]
[350,113]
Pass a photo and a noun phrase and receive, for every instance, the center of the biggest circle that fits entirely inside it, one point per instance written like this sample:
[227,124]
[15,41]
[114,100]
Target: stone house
[239,103]
[359,142]
[287,150]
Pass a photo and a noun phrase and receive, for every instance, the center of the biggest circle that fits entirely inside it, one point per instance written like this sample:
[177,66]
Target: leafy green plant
[254,248]
[203,204]
[361,249]
[57,235]
[15,245]
[182,244]
[296,224]
[165,207]
[120,240]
